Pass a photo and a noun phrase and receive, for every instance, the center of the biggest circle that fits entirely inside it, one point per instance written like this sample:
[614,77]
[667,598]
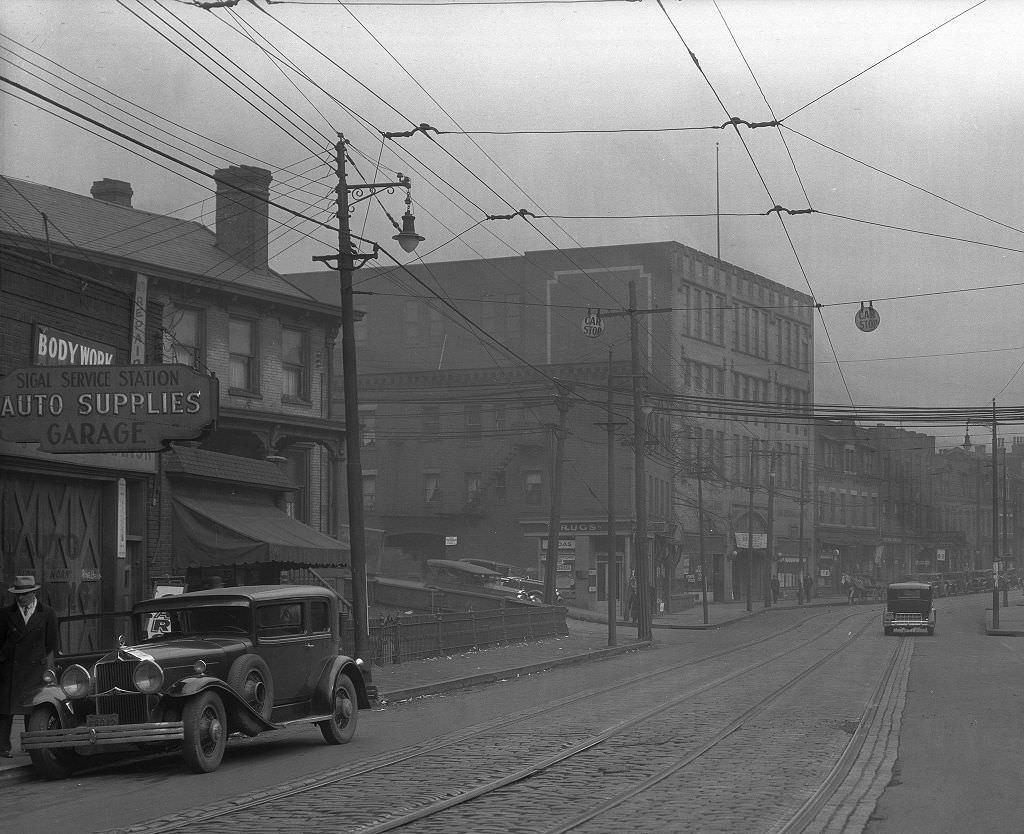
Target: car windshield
[206,621]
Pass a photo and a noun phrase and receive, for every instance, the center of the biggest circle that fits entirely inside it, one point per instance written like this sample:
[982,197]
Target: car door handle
[310,645]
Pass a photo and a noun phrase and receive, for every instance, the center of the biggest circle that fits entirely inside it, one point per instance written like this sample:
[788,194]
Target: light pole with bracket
[346,258]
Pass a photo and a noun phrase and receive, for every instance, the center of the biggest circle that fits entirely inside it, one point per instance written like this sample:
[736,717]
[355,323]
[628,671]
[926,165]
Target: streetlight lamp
[408,240]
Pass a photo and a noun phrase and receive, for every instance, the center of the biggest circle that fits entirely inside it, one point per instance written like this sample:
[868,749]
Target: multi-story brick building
[101,530]
[460,336]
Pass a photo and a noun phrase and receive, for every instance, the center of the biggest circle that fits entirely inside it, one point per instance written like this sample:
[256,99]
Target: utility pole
[554,520]
[612,579]
[995,524]
[700,525]
[750,532]
[771,533]
[408,239]
[800,582]
[640,476]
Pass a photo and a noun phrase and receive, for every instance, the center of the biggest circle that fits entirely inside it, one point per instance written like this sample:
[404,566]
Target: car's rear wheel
[250,677]
[206,733]
[52,763]
[341,726]
[888,632]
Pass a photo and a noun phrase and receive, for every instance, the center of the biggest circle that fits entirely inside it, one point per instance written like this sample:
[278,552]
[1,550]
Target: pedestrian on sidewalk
[776,587]
[28,643]
[808,584]
[633,599]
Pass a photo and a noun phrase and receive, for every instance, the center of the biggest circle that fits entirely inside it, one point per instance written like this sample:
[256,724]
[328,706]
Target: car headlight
[75,681]
[148,677]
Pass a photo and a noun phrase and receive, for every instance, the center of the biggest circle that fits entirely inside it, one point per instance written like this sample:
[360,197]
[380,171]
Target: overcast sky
[928,140]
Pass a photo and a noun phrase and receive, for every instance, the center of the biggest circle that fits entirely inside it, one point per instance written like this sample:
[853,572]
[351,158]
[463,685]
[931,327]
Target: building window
[500,487]
[533,487]
[367,425]
[370,491]
[242,350]
[432,487]
[472,487]
[295,364]
[500,418]
[186,338]
[471,413]
[431,421]
[297,468]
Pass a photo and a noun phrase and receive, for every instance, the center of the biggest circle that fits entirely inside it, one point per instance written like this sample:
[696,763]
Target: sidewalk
[586,641]
[1011,616]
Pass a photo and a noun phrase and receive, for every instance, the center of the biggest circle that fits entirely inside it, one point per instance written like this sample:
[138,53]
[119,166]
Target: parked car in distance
[205,665]
[531,589]
[908,606]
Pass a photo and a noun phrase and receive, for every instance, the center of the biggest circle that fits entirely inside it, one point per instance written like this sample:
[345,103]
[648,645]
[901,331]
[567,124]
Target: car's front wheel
[206,732]
[52,763]
[341,726]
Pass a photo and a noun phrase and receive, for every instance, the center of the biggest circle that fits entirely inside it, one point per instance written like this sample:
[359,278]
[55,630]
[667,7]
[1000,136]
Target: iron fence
[398,639]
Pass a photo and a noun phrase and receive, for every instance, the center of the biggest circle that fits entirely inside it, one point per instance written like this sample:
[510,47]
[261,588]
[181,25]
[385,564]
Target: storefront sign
[135,408]
[51,346]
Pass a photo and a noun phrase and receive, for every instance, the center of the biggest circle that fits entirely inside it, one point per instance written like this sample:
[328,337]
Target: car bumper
[85,736]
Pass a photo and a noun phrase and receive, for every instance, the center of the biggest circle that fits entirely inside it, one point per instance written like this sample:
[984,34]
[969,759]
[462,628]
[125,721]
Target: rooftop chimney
[117,192]
[243,217]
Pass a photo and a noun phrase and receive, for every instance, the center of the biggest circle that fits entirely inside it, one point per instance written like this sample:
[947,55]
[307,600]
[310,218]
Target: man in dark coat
[28,643]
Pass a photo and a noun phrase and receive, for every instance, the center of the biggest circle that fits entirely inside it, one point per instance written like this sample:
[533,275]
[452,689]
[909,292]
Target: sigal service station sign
[129,408]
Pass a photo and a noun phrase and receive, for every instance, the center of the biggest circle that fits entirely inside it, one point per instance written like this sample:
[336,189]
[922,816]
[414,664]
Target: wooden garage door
[52,529]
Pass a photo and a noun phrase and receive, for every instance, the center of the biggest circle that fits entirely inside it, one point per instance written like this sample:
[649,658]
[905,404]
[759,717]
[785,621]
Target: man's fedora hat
[24,585]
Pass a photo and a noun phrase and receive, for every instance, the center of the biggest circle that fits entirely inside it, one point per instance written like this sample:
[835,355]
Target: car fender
[56,697]
[342,664]
[233,703]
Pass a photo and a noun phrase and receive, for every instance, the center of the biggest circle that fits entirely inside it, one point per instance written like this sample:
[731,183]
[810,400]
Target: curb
[18,773]
[468,681]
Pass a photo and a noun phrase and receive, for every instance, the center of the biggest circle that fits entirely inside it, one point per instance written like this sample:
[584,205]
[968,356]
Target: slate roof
[155,244]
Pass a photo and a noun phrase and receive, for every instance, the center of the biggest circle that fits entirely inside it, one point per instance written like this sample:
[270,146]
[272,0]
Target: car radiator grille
[116,673]
[130,705]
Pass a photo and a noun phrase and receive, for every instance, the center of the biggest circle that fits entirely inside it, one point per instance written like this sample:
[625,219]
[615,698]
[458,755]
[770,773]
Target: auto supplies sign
[133,408]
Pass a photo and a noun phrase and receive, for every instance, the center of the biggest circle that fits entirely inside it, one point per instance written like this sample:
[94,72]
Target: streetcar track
[243,804]
[611,732]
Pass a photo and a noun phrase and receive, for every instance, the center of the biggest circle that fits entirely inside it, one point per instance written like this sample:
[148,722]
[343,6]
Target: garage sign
[132,408]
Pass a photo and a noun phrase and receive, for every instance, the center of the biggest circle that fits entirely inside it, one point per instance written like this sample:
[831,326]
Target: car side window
[279,620]
[319,620]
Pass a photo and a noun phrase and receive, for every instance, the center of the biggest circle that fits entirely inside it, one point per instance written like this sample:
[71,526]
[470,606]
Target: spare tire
[249,676]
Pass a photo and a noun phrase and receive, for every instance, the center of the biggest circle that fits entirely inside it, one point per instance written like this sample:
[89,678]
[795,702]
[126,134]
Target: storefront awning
[211,532]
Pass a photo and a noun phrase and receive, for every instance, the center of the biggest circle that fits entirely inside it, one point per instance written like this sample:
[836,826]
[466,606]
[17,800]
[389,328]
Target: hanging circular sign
[867,317]
[592,325]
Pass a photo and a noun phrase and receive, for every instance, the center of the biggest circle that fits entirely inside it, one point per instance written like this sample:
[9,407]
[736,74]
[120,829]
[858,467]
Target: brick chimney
[117,192]
[243,217]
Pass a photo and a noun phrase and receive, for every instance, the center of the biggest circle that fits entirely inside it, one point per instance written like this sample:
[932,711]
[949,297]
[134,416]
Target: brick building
[102,530]
[705,328]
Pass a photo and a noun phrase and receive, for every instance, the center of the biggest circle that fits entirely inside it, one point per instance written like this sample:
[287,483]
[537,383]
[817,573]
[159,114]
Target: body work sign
[133,408]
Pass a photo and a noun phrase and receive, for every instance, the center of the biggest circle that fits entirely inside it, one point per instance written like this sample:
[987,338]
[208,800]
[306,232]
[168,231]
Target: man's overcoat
[26,649]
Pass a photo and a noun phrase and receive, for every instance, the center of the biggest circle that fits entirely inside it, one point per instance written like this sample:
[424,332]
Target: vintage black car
[908,606]
[205,665]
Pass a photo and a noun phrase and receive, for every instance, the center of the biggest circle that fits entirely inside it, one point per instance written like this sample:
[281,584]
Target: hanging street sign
[593,324]
[133,408]
[867,318]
